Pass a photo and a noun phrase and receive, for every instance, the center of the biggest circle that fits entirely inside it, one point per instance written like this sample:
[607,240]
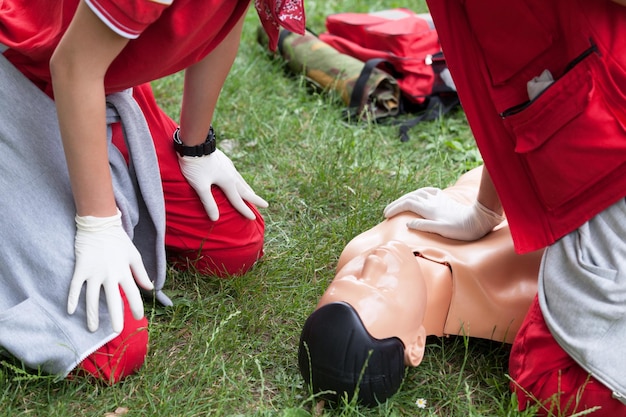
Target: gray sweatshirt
[37,224]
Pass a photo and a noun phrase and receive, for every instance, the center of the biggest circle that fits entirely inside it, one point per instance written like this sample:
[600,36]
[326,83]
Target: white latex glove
[217,169]
[444,215]
[106,258]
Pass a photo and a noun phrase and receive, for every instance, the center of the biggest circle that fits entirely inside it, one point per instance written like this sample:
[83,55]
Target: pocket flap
[555,107]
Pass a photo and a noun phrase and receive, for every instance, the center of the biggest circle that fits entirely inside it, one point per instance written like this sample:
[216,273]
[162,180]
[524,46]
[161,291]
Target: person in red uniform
[543,85]
[79,51]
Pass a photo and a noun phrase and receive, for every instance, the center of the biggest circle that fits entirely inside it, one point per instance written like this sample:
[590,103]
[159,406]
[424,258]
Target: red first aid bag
[404,44]
[404,41]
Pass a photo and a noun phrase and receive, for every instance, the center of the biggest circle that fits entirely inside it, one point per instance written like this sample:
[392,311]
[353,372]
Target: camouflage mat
[328,70]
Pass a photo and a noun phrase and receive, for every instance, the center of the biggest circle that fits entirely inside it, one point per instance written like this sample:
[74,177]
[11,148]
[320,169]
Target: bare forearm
[83,129]
[78,67]
[203,84]
[487,194]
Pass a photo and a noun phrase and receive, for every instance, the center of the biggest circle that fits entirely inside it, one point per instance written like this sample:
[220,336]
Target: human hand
[106,258]
[444,215]
[202,172]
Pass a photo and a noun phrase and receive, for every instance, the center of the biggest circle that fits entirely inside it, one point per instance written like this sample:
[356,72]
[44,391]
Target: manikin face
[386,287]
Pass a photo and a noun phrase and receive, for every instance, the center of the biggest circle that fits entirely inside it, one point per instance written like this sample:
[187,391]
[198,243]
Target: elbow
[67,69]
[61,67]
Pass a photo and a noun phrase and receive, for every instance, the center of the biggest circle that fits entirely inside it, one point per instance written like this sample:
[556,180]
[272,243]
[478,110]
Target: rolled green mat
[328,69]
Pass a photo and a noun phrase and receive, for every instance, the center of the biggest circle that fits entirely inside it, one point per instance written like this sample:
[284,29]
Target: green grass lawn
[228,347]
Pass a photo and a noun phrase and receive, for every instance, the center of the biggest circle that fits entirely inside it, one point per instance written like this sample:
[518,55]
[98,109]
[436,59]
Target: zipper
[522,106]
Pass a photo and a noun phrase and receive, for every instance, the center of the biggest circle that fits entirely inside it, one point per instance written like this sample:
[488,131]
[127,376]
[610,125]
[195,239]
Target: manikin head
[367,326]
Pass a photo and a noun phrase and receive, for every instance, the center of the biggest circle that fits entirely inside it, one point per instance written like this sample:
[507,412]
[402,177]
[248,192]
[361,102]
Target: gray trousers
[582,294]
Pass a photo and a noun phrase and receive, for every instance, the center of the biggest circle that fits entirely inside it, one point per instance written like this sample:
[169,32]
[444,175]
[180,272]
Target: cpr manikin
[394,286]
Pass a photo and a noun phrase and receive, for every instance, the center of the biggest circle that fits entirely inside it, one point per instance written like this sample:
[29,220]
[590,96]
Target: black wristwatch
[206,148]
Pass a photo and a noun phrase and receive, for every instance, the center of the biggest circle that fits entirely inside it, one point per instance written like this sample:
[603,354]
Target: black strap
[357,98]
[282,35]
[281,39]
[436,106]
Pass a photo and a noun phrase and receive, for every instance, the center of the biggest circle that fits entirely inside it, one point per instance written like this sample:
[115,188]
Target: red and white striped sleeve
[128,18]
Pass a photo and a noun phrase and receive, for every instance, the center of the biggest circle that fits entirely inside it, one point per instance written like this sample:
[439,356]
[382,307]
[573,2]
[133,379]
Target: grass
[228,347]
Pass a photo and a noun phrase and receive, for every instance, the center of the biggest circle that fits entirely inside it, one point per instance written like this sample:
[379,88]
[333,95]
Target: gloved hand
[106,258]
[444,215]
[217,169]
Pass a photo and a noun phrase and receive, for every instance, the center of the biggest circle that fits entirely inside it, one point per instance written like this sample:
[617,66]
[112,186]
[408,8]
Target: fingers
[218,170]
[139,273]
[240,192]
[415,204]
[256,200]
[441,228]
[115,305]
[112,296]
[130,288]
[72,298]
[210,205]
[247,193]
[92,300]
[436,227]
[417,201]
[234,197]
[425,225]
[399,206]
[237,200]
[114,302]
[135,302]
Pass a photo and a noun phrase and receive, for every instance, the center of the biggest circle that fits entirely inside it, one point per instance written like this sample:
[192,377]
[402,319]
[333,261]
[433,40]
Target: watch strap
[204,149]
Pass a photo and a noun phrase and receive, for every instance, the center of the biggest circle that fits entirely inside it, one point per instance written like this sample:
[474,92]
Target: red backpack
[406,45]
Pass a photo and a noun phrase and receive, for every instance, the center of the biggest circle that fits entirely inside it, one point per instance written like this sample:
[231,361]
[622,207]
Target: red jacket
[172,37]
[559,159]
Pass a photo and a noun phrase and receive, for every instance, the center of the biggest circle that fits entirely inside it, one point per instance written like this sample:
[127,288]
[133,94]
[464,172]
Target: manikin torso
[479,289]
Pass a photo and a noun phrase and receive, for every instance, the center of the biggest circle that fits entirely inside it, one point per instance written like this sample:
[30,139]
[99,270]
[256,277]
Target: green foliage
[229,347]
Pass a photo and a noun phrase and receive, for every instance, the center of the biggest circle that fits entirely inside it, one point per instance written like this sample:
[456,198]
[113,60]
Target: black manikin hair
[336,353]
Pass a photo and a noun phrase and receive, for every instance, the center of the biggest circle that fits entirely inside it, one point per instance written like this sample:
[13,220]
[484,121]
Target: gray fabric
[582,293]
[149,227]
[37,225]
